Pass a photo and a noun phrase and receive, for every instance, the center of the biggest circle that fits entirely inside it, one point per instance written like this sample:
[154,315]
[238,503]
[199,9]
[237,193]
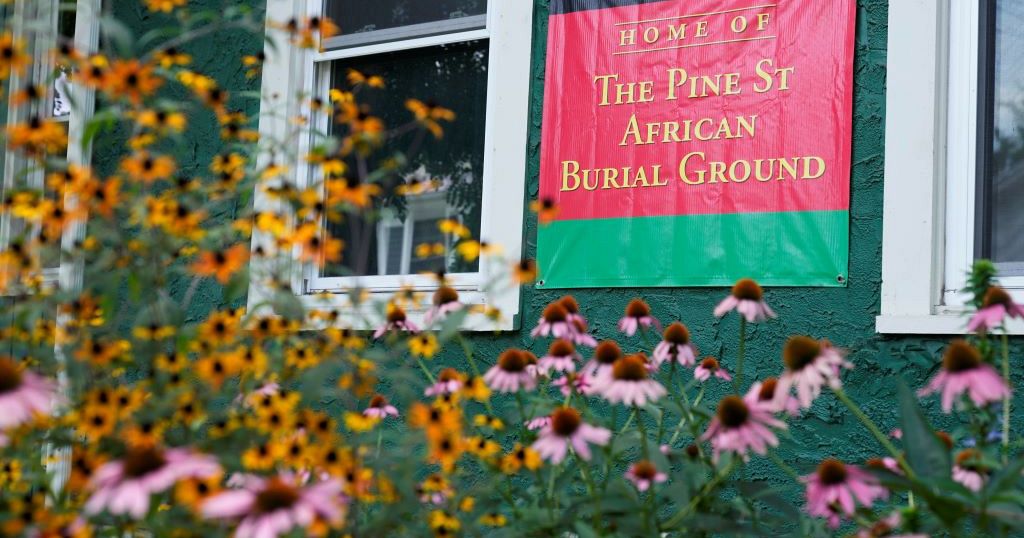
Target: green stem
[629,421]
[426,372]
[594,495]
[737,383]
[1006,399]
[708,488]
[873,428]
[785,467]
[643,431]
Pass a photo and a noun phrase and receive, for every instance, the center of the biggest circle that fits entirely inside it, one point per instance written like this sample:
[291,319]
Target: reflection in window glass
[450,167]
[355,16]
[1007,169]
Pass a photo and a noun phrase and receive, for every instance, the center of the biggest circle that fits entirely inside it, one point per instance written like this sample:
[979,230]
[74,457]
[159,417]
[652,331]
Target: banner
[696,142]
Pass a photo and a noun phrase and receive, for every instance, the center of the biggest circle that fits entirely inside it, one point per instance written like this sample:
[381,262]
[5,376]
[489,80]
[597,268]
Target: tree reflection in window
[449,168]
[356,16]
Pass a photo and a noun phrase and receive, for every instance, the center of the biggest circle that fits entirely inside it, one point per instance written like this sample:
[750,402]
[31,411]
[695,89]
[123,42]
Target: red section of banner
[703,106]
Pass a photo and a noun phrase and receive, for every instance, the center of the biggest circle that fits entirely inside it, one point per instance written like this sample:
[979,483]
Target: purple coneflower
[538,423]
[710,367]
[23,394]
[578,382]
[267,508]
[836,488]
[380,408]
[968,471]
[581,333]
[396,320]
[511,373]
[629,382]
[747,298]
[553,322]
[638,314]
[449,381]
[572,308]
[605,355]
[740,425]
[810,364]
[446,301]
[567,427]
[124,487]
[675,346]
[996,306]
[561,357]
[964,371]
[765,391]
[643,474]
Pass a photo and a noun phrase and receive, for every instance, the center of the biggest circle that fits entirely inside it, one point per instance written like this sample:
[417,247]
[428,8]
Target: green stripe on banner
[807,248]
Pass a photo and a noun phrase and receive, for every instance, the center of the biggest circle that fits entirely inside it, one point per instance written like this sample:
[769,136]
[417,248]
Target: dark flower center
[631,368]
[10,376]
[996,296]
[970,459]
[512,360]
[637,309]
[396,314]
[832,472]
[645,470]
[961,356]
[141,461]
[710,363]
[569,304]
[527,265]
[555,313]
[607,352]
[378,401]
[561,348]
[445,295]
[767,389]
[448,374]
[800,351]
[677,333]
[692,451]
[746,288]
[565,421]
[733,412]
[276,496]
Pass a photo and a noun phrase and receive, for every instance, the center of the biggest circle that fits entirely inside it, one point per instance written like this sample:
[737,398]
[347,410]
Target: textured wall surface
[843,315]
[218,55]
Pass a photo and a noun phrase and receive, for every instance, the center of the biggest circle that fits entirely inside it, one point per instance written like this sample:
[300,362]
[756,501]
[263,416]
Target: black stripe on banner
[559,7]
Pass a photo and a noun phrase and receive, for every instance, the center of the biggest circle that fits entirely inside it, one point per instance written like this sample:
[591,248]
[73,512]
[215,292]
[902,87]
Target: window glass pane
[1007,168]
[356,16]
[427,232]
[450,167]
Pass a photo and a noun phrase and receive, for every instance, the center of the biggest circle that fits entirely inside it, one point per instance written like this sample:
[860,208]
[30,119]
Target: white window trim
[930,170]
[87,12]
[287,72]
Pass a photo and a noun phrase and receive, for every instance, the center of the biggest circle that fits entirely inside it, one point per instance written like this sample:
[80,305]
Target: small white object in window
[61,91]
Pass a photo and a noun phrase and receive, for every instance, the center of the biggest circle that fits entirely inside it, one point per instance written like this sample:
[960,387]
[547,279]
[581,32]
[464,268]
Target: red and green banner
[696,142]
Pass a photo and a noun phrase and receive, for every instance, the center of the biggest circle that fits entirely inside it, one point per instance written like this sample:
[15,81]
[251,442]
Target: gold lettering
[676,33]
[605,81]
[627,37]
[651,34]
[807,167]
[762,21]
[683,176]
[632,129]
[610,175]
[676,78]
[567,174]
[738,24]
[702,29]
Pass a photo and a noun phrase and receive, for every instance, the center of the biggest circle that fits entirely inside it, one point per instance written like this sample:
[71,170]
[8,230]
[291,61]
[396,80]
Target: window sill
[367,316]
[936,324]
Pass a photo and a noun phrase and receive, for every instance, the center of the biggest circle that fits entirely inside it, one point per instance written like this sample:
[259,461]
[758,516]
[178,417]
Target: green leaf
[237,287]
[925,453]
[1005,478]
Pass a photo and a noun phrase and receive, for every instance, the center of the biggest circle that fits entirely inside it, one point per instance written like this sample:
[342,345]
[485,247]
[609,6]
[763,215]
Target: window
[54,23]
[954,158]
[467,56]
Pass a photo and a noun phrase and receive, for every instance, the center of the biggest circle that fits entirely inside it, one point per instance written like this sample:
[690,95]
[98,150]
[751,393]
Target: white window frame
[86,38]
[290,71]
[930,168]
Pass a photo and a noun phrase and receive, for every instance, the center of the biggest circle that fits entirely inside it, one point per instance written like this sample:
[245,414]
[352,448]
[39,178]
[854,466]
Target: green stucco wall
[846,316]
[843,315]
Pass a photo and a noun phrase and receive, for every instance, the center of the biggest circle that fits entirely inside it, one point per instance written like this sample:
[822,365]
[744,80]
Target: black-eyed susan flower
[360,423]
[37,137]
[102,353]
[493,519]
[429,114]
[165,6]
[423,345]
[545,208]
[172,57]
[221,264]
[358,78]
[153,331]
[253,64]
[520,457]
[524,271]
[12,55]
[482,447]
[132,80]
[148,168]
